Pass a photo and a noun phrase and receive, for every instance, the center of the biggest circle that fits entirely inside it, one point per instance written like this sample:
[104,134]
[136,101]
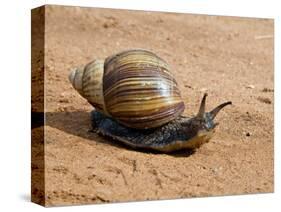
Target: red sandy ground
[230,58]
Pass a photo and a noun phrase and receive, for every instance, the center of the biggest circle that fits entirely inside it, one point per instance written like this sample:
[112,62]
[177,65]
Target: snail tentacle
[202,106]
[217,109]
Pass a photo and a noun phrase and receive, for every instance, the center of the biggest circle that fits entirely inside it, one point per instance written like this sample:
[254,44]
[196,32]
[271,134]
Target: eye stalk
[207,118]
[216,110]
[202,106]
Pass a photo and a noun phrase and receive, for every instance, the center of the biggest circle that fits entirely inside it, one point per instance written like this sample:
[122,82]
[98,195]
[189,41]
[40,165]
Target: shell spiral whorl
[88,81]
[134,87]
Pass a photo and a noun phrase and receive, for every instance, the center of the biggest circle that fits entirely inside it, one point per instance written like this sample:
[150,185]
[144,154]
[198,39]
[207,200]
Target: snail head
[202,127]
[205,120]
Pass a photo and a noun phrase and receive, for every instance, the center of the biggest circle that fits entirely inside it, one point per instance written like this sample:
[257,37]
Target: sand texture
[230,58]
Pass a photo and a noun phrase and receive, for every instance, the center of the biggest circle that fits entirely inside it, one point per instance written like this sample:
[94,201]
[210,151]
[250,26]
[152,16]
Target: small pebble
[203,89]
[66,109]
[248,134]
[51,68]
[64,101]
[105,25]
[63,94]
[187,86]
[267,90]
[264,100]
[250,86]
[216,169]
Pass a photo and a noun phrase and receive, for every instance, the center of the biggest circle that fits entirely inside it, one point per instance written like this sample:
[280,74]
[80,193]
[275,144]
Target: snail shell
[134,87]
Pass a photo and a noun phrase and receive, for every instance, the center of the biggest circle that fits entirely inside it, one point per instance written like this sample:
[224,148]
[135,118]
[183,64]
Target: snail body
[138,102]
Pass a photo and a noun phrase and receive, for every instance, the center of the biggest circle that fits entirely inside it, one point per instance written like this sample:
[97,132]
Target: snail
[137,102]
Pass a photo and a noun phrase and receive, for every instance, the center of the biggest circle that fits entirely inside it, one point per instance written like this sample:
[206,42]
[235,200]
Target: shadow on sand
[78,123]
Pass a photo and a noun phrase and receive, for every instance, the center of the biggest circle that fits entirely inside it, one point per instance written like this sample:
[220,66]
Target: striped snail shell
[134,87]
